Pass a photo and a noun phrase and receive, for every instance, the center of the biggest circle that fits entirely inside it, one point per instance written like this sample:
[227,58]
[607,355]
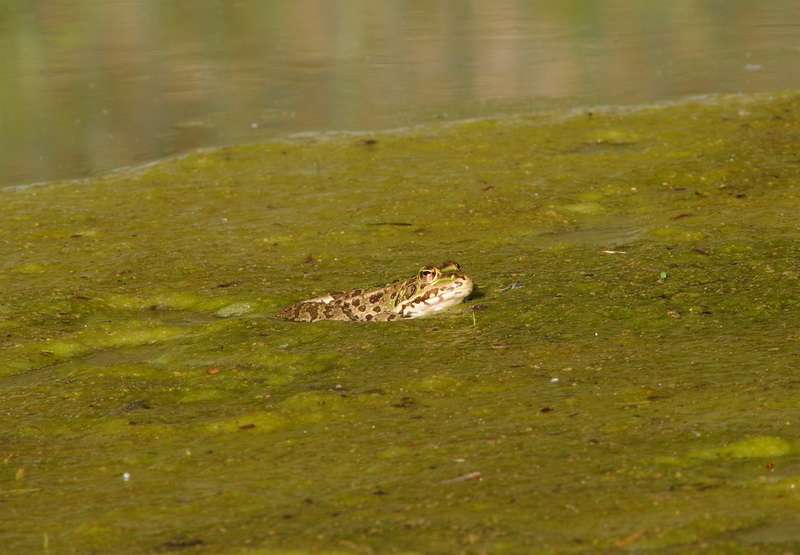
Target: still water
[88,87]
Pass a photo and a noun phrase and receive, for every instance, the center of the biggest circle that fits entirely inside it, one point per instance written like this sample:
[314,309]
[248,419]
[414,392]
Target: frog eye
[427,274]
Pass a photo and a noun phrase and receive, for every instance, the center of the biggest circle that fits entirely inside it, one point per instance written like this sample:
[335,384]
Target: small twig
[626,541]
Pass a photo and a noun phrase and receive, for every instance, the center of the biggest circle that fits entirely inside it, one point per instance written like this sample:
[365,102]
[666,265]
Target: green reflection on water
[623,376]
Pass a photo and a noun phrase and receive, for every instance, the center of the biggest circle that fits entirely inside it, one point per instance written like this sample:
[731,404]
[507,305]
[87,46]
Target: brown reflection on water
[90,86]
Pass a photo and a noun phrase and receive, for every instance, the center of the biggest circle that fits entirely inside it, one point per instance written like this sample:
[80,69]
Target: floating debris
[463,478]
[516,285]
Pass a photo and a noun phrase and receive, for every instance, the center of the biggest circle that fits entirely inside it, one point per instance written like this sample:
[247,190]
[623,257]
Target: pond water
[624,376]
[89,87]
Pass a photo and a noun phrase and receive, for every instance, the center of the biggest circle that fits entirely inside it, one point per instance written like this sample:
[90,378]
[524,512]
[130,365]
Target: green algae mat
[624,377]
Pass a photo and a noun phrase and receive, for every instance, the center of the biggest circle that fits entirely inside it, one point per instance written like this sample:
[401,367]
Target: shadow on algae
[624,377]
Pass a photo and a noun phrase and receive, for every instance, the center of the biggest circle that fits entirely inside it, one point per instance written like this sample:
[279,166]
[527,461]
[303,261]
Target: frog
[430,291]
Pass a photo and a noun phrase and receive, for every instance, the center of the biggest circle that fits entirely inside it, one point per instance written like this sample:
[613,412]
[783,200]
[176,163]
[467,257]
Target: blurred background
[86,87]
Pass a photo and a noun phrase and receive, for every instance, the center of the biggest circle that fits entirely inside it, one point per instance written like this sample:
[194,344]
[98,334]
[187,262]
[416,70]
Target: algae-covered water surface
[623,377]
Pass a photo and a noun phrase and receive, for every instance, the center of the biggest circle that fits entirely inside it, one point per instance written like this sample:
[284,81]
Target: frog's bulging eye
[427,274]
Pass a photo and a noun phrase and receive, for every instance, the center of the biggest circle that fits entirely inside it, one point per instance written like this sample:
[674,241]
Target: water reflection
[87,87]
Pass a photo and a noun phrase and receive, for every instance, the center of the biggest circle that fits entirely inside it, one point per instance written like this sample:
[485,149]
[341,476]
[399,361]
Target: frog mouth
[439,298]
